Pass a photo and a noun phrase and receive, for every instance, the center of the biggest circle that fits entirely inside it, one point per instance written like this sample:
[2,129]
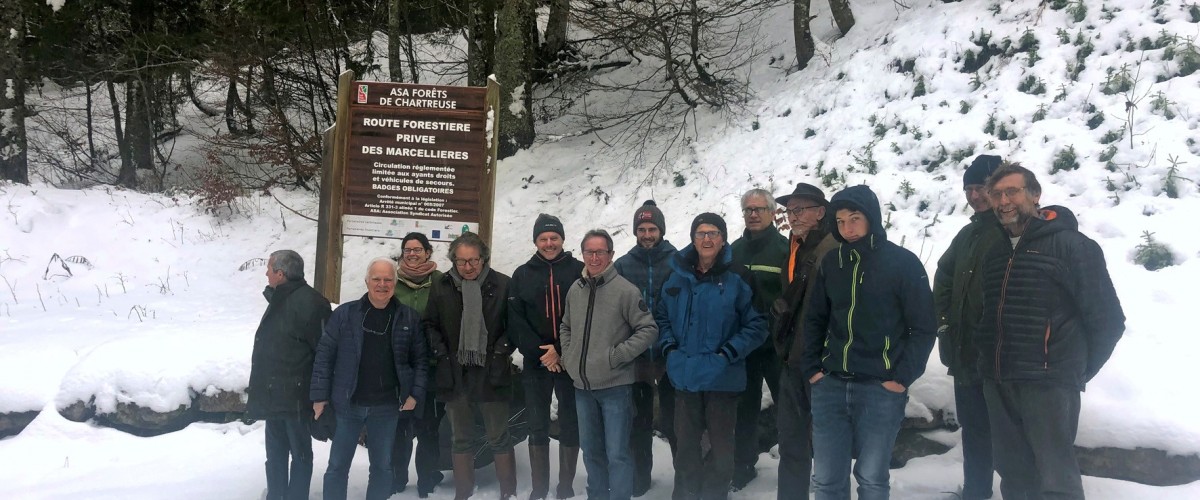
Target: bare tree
[556,29]
[805,48]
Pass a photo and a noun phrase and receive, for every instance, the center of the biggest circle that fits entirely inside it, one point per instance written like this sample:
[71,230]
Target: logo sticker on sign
[362,94]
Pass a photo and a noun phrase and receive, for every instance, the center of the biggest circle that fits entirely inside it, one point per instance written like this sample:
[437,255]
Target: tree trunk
[481,43]
[395,70]
[842,15]
[804,40]
[231,104]
[91,127]
[14,148]
[514,68]
[139,130]
[127,176]
[410,46]
[556,29]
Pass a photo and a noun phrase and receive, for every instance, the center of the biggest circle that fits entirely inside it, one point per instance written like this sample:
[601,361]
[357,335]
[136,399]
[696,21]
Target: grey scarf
[473,337]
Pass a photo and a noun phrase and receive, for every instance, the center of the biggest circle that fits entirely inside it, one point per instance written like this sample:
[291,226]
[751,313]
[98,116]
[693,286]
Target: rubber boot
[464,475]
[506,474]
[539,471]
[568,461]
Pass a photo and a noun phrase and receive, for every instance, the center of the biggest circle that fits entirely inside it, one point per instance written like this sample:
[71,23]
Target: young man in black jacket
[1051,319]
[280,368]
[869,328]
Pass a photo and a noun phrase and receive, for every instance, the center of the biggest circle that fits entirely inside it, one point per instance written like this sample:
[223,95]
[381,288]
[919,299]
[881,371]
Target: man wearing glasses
[535,309]
[605,327]
[810,241]
[372,364]
[762,250]
[1051,319]
[707,326]
[958,297]
[465,320]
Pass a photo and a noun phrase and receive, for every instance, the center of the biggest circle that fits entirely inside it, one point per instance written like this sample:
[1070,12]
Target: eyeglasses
[798,211]
[414,251]
[707,235]
[755,210]
[996,194]
[588,254]
[463,262]
[386,328]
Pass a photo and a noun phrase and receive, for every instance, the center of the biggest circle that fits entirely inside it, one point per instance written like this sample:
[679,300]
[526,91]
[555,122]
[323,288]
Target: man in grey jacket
[606,324]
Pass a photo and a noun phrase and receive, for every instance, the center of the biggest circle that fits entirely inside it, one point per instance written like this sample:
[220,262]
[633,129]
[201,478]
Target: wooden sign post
[406,158]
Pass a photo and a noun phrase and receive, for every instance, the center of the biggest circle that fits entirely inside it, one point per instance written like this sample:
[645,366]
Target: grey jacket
[605,325]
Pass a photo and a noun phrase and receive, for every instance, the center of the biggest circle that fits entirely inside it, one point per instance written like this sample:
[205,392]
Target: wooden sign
[406,158]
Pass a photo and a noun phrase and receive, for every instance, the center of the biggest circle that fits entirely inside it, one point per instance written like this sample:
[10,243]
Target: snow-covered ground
[167,303]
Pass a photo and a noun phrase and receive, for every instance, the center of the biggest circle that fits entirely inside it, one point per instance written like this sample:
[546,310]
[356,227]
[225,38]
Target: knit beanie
[547,222]
[980,169]
[710,218]
[649,212]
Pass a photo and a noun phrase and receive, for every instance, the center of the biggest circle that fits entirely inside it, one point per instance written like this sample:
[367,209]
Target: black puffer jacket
[537,293]
[1050,312]
[443,324]
[282,361]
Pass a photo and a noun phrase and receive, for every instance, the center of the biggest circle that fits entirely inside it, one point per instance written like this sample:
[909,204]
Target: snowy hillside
[163,300]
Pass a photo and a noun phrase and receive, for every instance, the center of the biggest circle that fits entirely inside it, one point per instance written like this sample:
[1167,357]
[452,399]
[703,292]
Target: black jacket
[443,323]
[647,269]
[871,311]
[958,294]
[282,361]
[1050,310]
[789,307]
[335,371]
[536,296]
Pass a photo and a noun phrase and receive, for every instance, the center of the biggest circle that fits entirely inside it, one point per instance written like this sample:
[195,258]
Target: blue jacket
[708,324]
[648,269]
[335,369]
[871,311]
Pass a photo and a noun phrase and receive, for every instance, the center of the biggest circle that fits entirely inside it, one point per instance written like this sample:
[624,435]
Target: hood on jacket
[1050,220]
[862,199]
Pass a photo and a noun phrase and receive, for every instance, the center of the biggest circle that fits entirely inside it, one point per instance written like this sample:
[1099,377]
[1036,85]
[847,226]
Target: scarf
[416,274]
[473,335]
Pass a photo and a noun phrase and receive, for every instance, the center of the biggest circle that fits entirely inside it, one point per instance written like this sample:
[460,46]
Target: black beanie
[649,212]
[980,169]
[546,222]
[710,218]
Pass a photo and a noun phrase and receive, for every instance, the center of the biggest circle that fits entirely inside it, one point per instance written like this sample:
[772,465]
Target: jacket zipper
[587,332]
[1046,348]
[850,315]
[1000,312]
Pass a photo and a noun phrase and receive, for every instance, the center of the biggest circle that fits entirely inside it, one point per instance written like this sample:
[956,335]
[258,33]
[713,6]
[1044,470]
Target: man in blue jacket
[372,363]
[869,329]
[708,325]
[647,266]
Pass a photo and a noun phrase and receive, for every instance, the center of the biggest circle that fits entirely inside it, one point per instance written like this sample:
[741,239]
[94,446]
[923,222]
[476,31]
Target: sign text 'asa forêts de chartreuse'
[415,160]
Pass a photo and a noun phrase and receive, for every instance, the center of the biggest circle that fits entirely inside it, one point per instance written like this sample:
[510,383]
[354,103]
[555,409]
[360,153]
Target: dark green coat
[416,297]
[281,364]
[765,254]
[958,295]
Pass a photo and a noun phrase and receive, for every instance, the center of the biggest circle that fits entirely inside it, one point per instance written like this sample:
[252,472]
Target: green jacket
[415,295]
[765,254]
[958,295]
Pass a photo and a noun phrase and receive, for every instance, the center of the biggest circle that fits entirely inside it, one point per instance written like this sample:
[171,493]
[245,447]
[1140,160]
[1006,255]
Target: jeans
[605,421]
[1033,438]
[539,384]
[380,422]
[854,419]
[972,411]
[465,435]
[289,437]
[793,412]
[761,365]
[428,448]
[695,413]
